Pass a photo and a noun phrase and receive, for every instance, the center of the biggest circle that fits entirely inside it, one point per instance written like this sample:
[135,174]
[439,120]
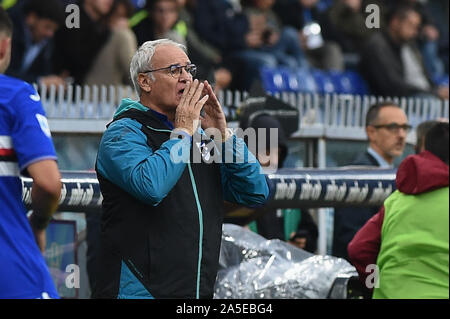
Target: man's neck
[380,155]
[145,102]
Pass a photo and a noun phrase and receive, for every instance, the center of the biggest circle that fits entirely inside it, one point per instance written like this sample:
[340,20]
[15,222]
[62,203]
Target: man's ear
[145,82]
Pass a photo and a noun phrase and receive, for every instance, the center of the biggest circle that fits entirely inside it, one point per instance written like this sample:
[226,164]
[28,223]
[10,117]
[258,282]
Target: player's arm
[36,155]
[45,195]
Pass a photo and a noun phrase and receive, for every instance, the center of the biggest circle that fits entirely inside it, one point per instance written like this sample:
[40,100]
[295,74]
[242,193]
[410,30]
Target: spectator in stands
[173,19]
[26,148]
[160,22]
[223,24]
[77,48]
[348,19]
[408,239]
[112,64]
[386,128]
[392,64]
[270,36]
[35,23]
[209,59]
[439,9]
[315,33]
[291,225]
[428,38]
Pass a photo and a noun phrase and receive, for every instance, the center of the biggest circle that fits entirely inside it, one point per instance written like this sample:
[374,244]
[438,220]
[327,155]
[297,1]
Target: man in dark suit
[35,23]
[77,48]
[391,61]
[386,128]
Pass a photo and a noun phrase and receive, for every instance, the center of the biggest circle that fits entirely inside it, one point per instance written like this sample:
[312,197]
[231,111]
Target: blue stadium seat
[342,82]
[306,81]
[290,79]
[273,80]
[358,83]
[348,82]
[324,83]
[284,79]
[441,80]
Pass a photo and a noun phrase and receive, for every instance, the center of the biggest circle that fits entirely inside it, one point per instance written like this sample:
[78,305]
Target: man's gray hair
[142,59]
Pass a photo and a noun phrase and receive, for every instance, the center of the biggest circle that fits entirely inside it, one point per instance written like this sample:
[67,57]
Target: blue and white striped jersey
[24,139]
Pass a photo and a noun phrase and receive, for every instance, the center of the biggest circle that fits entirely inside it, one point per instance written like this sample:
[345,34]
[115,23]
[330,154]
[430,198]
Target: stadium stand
[312,81]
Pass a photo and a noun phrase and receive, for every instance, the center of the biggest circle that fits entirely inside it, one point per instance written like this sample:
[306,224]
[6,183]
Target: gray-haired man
[162,219]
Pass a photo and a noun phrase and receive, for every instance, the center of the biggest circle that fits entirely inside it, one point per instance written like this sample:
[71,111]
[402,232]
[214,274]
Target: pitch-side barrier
[289,188]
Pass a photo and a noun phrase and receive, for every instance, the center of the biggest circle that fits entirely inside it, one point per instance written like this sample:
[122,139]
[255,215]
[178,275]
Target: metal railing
[332,115]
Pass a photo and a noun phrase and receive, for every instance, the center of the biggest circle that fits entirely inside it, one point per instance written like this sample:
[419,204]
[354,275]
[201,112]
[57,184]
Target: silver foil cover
[252,267]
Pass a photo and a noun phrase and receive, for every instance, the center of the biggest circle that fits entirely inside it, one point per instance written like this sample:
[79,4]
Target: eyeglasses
[394,127]
[176,69]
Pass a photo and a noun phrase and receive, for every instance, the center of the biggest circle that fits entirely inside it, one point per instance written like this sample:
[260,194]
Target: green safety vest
[414,254]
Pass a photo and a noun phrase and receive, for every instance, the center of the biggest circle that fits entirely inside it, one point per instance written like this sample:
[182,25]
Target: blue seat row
[441,80]
[284,79]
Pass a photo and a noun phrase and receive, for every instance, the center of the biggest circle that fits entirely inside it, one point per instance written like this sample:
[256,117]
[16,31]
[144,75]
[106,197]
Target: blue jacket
[162,210]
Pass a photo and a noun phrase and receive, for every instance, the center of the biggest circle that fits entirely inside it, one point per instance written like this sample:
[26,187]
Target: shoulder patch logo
[35,97]
[43,123]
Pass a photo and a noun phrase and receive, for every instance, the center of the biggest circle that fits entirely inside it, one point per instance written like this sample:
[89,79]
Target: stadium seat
[272,80]
[348,82]
[306,82]
[283,79]
[324,83]
[359,85]
[342,82]
[290,79]
[441,80]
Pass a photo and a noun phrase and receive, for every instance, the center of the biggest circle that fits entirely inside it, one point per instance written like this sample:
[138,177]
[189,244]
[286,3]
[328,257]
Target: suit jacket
[41,65]
[382,66]
[348,220]
[76,49]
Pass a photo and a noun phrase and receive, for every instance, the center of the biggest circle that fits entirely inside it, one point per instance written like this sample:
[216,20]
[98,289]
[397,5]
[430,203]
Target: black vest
[172,248]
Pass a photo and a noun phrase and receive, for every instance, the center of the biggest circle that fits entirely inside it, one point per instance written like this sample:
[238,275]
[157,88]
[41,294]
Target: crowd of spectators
[400,48]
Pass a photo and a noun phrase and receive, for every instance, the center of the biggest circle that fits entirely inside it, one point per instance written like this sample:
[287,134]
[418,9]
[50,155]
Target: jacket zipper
[200,220]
